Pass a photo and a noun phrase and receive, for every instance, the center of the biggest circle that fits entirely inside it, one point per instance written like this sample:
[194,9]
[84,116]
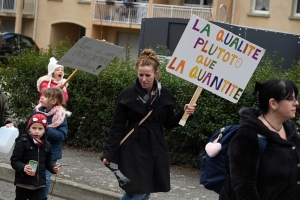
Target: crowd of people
[136,138]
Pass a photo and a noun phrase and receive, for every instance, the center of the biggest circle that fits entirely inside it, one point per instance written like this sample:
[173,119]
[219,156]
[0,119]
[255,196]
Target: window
[10,40]
[296,8]
[8,5]
[261,6]
[197,2]
[26,42]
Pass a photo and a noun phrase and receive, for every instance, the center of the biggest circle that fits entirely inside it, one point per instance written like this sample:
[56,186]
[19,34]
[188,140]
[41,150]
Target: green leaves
[92,99]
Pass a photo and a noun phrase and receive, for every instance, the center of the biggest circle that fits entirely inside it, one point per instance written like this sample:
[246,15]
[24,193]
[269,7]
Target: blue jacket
[55,136]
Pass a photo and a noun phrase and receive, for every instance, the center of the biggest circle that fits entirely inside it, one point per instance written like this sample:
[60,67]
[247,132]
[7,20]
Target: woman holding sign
[143,156]
[273,172]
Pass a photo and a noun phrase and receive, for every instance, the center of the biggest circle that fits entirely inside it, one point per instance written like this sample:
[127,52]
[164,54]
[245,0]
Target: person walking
[276,173]
[5,112]
[32,146]
[50,104]
[144,155]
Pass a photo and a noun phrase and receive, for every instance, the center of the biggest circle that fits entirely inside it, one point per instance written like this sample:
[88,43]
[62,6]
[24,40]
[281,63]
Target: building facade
[119,22]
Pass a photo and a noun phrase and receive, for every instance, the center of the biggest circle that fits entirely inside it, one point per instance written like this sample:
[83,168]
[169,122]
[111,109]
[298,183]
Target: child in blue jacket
[50,104]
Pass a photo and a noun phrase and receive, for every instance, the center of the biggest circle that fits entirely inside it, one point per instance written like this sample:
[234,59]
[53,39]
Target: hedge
[92,99]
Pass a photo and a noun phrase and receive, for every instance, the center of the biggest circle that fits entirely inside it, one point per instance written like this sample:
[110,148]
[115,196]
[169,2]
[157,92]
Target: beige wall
[58,32]
[280,12]
[57,20]
[110,33]
[52,13]
[28,27]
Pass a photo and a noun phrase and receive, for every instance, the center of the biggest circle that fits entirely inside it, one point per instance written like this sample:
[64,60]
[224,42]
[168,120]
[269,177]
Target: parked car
[13,43]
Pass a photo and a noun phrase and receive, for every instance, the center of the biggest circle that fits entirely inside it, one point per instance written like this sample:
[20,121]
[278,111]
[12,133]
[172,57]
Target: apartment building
[50,21]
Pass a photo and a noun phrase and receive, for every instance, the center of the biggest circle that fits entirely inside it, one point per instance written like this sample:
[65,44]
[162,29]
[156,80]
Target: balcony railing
[170,11]
[117,12]
[10,6]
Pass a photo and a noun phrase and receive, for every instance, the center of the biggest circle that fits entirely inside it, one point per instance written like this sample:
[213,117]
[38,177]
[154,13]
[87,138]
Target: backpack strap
[128,134]
[262,141]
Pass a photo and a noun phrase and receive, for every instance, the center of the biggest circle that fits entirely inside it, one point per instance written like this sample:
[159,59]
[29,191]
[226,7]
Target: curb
[64,188]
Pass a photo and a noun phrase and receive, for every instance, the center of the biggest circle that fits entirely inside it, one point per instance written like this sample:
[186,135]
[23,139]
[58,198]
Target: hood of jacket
[42,79]
[47,78]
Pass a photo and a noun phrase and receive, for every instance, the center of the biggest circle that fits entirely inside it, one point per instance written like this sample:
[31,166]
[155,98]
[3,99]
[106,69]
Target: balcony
[10,6]
[133,13]
[185,12]
[119,12]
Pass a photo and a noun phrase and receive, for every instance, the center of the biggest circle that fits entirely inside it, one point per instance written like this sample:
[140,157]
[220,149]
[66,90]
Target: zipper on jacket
[38,168]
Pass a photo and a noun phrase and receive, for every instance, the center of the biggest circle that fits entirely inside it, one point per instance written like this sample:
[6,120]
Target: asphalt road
[86,168]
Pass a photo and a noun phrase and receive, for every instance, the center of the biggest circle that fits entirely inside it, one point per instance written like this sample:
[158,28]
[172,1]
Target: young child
[32,146]
[54,78]
[50,104]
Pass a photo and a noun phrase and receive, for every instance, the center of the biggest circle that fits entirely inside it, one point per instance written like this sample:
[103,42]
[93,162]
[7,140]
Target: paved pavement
[86,178]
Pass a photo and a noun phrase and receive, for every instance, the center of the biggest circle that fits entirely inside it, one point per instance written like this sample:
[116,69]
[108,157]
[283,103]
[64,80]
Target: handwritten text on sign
[90,55]
[215,59]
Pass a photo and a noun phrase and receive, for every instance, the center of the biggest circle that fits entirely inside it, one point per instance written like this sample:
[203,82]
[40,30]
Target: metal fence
[133,13]
[10,6]
[184,12]
[118,12]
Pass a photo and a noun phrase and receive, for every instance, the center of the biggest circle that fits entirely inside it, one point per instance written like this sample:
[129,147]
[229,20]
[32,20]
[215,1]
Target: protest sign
[215,59]
[90,55]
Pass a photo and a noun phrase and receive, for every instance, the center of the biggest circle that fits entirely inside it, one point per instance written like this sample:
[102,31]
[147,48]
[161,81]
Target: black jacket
[5,113]
[144,156]
[26,150]
[274,175]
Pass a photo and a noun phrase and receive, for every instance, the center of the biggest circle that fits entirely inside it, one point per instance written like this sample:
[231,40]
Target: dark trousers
[26,194]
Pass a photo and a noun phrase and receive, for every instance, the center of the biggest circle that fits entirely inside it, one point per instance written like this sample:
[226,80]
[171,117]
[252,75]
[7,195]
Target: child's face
[37,130]
[58,73]
[47,102]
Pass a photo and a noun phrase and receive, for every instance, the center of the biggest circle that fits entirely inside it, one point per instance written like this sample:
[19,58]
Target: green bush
[93,99]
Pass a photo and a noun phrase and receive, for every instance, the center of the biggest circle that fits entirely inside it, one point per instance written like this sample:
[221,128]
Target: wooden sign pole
[71,76]
[192,102]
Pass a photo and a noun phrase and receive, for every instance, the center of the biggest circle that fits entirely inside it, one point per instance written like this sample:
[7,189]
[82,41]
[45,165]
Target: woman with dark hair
[276,173]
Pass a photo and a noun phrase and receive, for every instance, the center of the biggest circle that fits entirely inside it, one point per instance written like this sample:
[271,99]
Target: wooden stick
[128,134]
[71,76]
[56,177]
[192,102]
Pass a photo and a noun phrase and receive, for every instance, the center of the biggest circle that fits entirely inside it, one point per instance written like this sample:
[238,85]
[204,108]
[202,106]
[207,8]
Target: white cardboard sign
[215,59]
[90,55]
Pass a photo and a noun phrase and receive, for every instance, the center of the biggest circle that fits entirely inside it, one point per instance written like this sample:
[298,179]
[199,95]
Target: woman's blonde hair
[148,58]
[55,93]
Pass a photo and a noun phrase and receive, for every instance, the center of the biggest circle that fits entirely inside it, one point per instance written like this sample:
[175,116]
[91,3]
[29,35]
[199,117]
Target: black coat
[26,150]
[274,175]
[144,156]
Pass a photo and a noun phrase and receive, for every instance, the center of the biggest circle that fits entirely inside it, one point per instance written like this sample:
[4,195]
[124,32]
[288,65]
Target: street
[7,192]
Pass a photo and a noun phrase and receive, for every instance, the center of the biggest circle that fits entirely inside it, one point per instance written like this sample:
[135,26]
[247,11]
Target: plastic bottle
[7,138]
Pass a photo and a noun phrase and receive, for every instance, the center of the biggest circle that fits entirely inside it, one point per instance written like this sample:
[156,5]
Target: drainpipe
[233,11]
[35,18]
[225,12]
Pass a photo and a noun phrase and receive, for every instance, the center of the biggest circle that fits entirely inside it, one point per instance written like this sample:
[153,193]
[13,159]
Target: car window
[10,40]
[25,42]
